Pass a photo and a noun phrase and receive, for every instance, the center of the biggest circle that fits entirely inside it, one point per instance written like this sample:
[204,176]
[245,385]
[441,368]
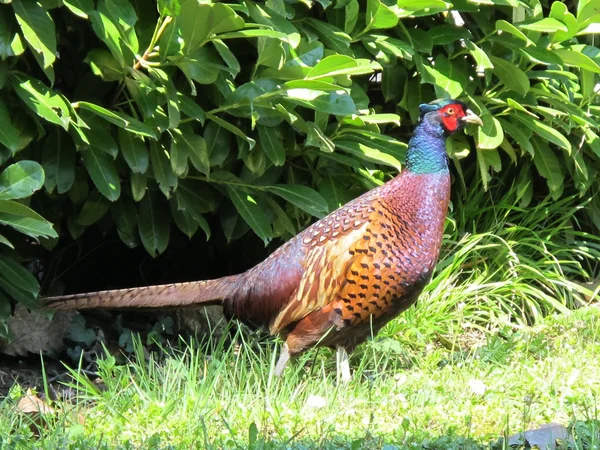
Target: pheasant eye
[450,111]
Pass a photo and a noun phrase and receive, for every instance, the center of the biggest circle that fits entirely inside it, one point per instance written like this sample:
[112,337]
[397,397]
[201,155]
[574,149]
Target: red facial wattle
[451,115]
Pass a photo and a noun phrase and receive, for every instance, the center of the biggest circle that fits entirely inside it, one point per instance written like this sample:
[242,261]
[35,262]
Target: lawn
[460,396]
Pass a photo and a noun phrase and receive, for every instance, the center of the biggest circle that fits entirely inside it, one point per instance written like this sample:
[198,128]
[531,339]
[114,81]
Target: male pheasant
[344,277]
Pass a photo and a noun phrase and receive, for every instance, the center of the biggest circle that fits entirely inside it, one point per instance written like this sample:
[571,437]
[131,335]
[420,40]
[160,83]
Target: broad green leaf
[486,159]
[202,66]
[228,56]
[195,147]
[305,198]
[134,150]
[138,184]
[515,132]
[197,196]
[58,160]
[18,276]
[41,100]
[264,15]
[377,43]
[161,168]
[178,155]
[317,138]
[21,180]
[272,144]
[94,208]
[587,12]
[250,212]
[80,188]
[481,58]
[10,39]
[340,65]
[193,203]
[367,153]
[121,11]
[232,129]
[333,189]
[351,15]
[199,21]
[548,165]
[560,12]
[445,76]
[255,34]
[544,131]
[108,32]
[184,221]
[447,34]
[218,143]
[22,297]
[9,134]
[317,85]
[25,220]
[546,25]
[504,26]
[332,37]
[577,59]
[123,16]
[190,108]
[512,77]
[270,53]
[118,118]
[283,220]
[103,172]
[338,103]
[124,214]
[378,141]
[6,242]
[169,7]
[81,8]
[379,16]
[104,65]
[99,136]
[38,28]
[153,223]
[381,118]
[421,7]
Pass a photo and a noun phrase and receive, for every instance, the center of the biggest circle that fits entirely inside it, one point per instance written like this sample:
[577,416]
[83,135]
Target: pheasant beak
[471,117]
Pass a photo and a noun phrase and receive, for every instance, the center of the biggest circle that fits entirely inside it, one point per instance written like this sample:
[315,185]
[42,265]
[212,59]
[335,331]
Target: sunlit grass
[223,396]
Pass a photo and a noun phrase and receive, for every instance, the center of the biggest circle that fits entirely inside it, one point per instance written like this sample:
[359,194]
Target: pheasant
[343,278]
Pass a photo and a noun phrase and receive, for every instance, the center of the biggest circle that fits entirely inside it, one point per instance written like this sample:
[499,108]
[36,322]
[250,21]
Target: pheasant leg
[343,365]
[282,361]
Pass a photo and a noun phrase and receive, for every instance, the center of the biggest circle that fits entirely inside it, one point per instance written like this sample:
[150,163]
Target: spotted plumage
[344,277]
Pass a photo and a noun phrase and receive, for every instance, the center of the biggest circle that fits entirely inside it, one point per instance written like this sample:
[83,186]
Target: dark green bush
[150,117]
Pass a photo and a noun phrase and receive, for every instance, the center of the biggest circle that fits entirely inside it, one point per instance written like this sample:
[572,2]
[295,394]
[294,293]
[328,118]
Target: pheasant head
[439,119]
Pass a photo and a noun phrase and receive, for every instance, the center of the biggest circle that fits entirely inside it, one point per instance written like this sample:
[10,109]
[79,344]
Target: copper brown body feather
[345,276]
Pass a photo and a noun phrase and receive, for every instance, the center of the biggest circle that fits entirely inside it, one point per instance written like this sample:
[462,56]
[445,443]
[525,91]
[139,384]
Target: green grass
[222,396]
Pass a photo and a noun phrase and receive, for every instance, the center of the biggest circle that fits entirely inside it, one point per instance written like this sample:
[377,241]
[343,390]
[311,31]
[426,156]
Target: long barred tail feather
[160,296]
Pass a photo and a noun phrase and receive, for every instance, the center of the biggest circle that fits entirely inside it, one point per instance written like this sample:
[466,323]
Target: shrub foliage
[148,117]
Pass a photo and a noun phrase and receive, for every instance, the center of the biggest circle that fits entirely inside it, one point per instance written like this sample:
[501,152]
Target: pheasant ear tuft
[425,108]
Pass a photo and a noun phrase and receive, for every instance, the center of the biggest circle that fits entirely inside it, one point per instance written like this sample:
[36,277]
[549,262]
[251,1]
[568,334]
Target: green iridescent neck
[427,149]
